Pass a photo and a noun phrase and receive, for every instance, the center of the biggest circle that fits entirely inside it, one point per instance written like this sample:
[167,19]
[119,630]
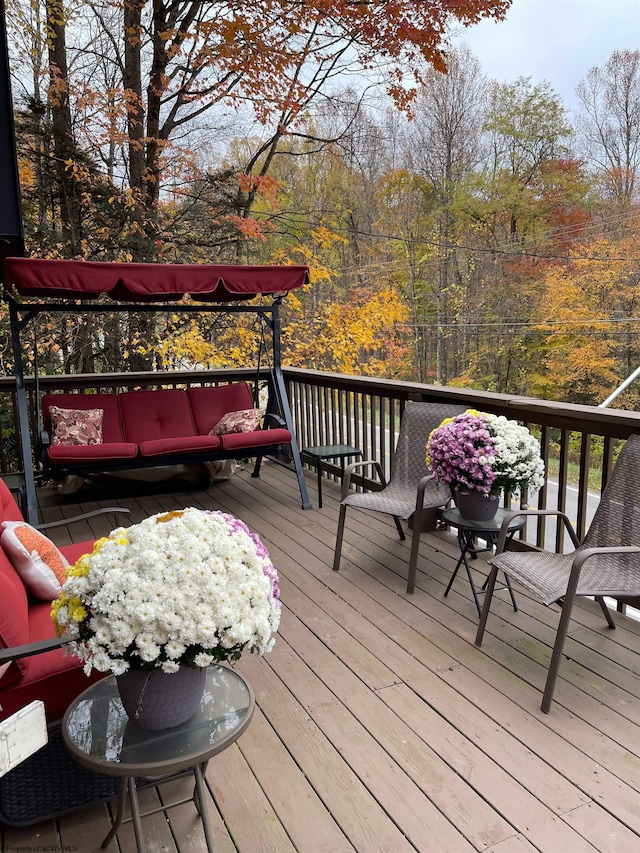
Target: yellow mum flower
[77,610]
[79,569]
[97,545]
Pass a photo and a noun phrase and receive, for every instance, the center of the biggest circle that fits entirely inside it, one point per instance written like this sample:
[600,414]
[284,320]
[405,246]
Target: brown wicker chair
[604,563]
[411,488]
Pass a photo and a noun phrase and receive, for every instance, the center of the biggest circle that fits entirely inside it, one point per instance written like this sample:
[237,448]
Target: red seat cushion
[54,677]
[14,625]
[257,438]
[76,550]
[9,509]
[186,443]
[151,415]
[209,404]
[14,619]
[70,454]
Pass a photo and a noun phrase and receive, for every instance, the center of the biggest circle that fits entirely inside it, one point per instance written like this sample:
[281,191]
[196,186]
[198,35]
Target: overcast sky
[554,40]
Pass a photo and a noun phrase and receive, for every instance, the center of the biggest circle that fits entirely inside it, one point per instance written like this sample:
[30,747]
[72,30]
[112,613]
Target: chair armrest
[115,510]
[278,420]
[29,649]
[504,529]
[580,559]
[363,463]
[422,485]
[584,555]
[45,439]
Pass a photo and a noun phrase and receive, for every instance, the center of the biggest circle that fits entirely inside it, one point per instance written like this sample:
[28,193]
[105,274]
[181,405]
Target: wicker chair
[410,488]
[605,563]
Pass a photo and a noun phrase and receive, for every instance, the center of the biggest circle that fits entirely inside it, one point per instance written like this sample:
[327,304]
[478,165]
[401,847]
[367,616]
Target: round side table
[468,534]
[99,735]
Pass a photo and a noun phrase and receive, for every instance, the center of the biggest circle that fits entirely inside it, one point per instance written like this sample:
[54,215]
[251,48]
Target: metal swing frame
[23,313]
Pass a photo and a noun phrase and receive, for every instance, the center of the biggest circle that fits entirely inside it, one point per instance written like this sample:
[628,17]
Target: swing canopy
[137,282]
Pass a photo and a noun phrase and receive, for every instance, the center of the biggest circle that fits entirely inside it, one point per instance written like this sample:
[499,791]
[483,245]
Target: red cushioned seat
[257,438]
[54,677]
[114,445]
[152,426]
[14,618]
[182,444]
[63,454]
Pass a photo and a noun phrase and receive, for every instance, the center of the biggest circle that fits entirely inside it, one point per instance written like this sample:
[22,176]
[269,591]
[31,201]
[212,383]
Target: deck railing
[578,442]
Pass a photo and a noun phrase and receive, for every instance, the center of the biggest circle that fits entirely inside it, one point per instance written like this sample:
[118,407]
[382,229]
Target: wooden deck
[379,726]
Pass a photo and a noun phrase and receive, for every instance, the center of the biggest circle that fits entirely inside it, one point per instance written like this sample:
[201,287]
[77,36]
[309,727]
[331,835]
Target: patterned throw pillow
[35,558]
[76,426]
[244,420]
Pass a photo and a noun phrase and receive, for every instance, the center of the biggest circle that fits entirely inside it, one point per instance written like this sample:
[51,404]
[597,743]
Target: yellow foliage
[586,304]
[358,337]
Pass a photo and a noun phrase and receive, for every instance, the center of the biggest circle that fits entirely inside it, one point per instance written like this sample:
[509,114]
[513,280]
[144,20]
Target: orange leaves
[589,307]
[249,228]
[263,185]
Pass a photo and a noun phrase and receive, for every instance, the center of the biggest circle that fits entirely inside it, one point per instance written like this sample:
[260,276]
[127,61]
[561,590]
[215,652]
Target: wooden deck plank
[602,829]
[364,823]
[247,813]
[291,796]
[376,637]
[185,822]
[444,785]
[333,639]
[466,627]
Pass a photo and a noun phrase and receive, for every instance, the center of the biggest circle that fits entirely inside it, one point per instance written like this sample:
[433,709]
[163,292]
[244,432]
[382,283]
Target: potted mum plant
[478,455]
[157,602]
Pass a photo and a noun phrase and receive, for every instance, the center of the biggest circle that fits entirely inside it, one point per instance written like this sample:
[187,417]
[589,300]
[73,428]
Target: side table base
[468,534]
[128,785]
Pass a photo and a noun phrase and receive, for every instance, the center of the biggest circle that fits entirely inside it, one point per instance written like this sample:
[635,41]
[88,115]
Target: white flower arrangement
[184,587]
[517,461]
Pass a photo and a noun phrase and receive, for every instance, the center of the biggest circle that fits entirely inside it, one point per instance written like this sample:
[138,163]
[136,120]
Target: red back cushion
[148,415]
[211,403]
[14,619]
[14,626]
[9,509]
[111,427]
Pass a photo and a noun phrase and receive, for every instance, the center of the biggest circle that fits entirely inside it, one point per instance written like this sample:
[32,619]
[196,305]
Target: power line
[520,323]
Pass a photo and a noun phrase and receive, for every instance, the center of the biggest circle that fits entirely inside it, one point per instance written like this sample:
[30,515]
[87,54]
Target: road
[571,510]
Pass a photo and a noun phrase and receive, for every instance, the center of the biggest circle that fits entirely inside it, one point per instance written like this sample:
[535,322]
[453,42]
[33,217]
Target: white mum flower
[162,588]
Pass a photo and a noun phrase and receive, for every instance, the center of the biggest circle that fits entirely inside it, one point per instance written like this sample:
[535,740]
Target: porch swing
[32,286]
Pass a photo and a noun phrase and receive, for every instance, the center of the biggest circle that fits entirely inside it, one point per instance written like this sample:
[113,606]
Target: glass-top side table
[468,533]
[99,735]
[329,451]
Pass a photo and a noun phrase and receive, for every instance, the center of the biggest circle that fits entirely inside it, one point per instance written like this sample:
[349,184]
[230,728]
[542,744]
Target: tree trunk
[63,142]
[132,79]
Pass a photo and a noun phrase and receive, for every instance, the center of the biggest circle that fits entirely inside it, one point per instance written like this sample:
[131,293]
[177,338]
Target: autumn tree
[175,62]
[445,139]
[609,123]
[526,128]
[590,306]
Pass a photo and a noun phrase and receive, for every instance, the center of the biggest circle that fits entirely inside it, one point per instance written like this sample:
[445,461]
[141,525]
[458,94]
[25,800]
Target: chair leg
[488,595]
[606,611]
[415,548]
[339,535]
[556,657]
[399,527]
